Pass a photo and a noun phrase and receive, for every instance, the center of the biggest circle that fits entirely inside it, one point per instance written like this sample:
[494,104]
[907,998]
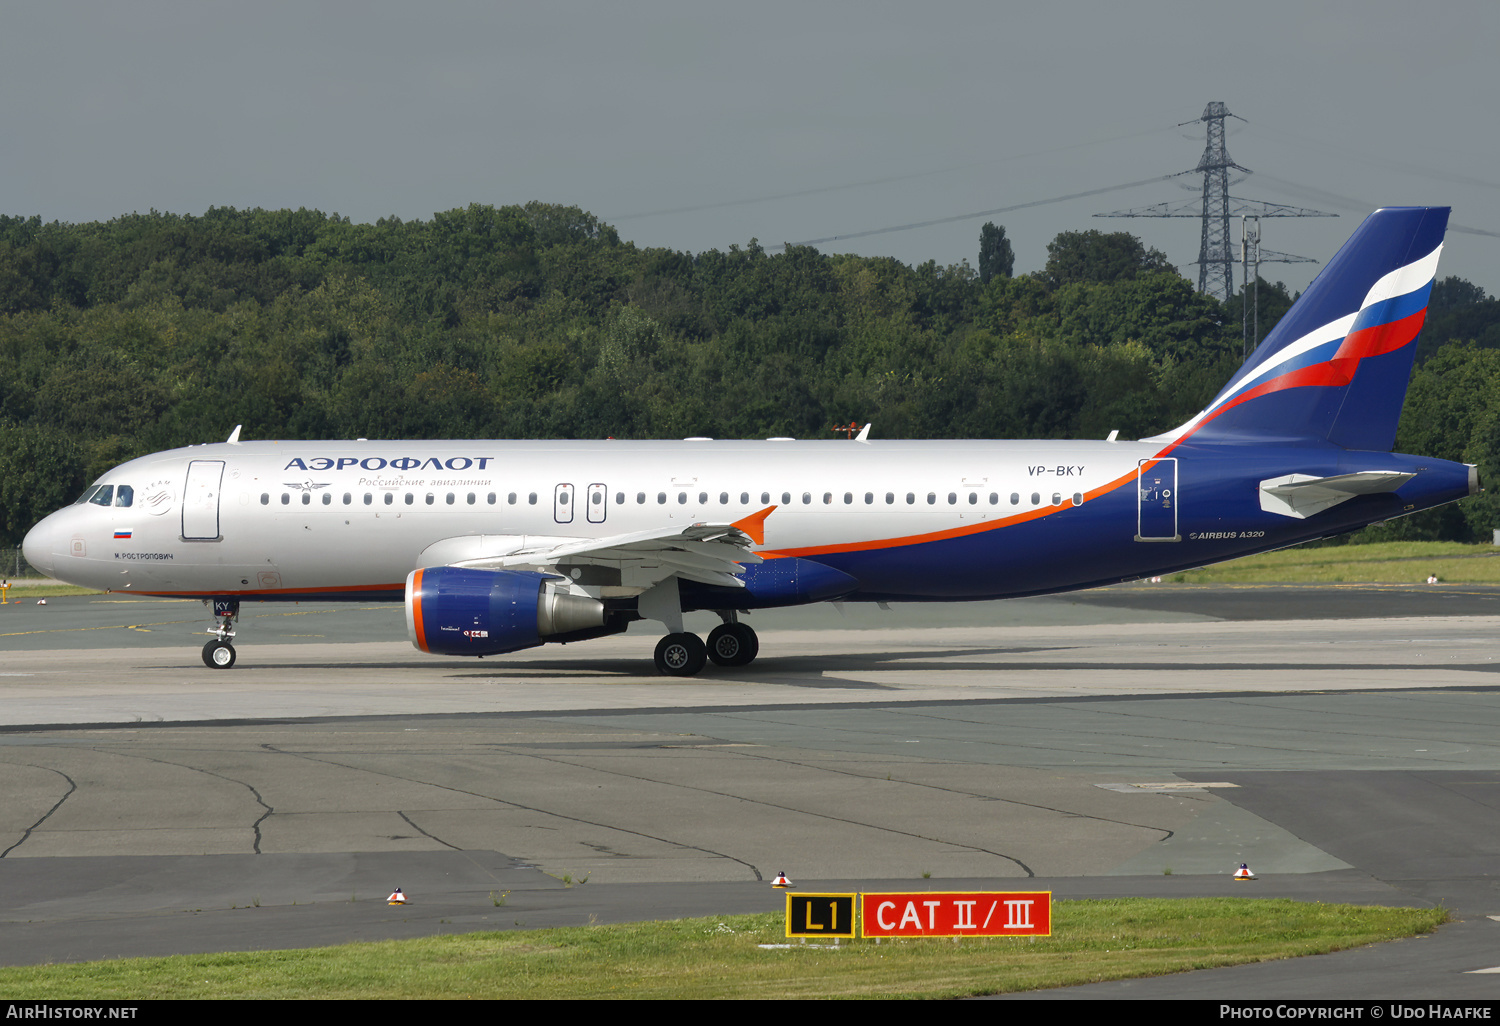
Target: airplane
[498,546]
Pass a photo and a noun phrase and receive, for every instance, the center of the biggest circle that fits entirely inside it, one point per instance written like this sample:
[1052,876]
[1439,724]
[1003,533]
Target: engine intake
[454,611]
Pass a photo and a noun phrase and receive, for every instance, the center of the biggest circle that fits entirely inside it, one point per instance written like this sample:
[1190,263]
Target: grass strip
[17,592]
[718,957]
[1381,563]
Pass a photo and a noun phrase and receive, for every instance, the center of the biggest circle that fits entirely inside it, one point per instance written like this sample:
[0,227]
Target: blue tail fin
[1334,370]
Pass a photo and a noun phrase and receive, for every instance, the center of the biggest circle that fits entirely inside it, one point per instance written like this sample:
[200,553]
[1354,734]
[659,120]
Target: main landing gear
[219,654]
[684,655]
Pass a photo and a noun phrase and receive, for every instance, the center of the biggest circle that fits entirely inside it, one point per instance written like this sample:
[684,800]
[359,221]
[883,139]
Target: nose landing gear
[219,654]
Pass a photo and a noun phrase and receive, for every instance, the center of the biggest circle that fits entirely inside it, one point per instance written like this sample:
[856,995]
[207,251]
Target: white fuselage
[274,519]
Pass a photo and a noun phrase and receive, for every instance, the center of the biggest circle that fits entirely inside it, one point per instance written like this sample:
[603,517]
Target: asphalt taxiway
[1342,740]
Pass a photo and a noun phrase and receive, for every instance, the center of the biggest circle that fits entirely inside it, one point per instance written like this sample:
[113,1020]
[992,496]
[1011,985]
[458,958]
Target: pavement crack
[254,826]
[517,805]
[959,791]
[775,805]
[72,786]
[425,833]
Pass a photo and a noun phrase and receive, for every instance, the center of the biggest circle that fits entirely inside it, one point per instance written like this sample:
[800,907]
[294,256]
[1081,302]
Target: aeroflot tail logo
[399,463]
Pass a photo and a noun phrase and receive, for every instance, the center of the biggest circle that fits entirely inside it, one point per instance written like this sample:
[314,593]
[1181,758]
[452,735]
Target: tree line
[156,330]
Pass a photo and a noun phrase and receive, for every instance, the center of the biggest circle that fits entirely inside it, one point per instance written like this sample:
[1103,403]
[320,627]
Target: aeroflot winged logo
[156,497]
[399,463]
[1387,319]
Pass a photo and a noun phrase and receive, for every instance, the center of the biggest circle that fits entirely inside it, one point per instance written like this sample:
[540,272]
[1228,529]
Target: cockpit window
[88,493]
[124,495]
[104,496]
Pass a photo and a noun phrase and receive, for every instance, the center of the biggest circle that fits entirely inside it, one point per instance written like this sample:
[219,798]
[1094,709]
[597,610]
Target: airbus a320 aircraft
[497,546]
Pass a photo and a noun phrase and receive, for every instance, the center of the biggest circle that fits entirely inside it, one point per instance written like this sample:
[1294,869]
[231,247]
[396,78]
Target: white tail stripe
[1403,280]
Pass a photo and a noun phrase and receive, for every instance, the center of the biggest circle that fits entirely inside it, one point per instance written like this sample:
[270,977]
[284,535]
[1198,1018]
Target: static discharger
[396,898]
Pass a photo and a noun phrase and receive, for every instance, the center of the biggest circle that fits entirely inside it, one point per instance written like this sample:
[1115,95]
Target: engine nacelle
[454,611]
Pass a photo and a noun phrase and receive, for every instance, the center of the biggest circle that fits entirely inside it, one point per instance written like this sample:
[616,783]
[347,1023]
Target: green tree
[40,471]
[1096,256]
[996,258]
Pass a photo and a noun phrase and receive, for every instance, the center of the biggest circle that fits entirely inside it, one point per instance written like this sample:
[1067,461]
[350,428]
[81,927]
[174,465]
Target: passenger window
[1078,498]
[827,498]
[661,498]
[265,498]
[911,497]
[1036,498]
[286,499]
[952,498]
[786,498]
[104,496]
[328,498]
[369,498]
[1057,498]
[510,500]
[531,499]
[994,498]
[390,497]
[348,498]
[640,498]
[1015,498]
[723,498]
[765,498]
[410,498]
[124,495]
[744,498]
[562,498]
[307,498]
[620,498]
[682,498]
[703,498]
[890,497]
[932,498]
[973,498]
[807,498]
[490,498]
[470,498]
[869,498]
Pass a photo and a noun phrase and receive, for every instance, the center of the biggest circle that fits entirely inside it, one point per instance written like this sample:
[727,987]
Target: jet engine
[456,611]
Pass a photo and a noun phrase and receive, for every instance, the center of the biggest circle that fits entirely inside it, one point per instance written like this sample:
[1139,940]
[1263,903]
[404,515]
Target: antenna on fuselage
[234,436]
[864,433]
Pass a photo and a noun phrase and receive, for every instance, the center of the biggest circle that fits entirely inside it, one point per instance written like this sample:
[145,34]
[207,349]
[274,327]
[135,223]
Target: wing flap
[713,554]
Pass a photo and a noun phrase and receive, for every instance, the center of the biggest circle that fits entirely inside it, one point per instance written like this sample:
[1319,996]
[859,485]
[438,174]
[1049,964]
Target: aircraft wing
[708,553]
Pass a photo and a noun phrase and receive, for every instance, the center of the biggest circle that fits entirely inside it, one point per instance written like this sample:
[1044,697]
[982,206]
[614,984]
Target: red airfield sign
[957,914]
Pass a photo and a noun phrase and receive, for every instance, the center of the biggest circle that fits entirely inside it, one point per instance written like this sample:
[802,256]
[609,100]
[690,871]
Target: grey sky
[630,109]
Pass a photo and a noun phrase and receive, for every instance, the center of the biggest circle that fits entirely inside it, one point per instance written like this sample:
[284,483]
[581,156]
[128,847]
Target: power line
[821,189]
[1334,199]
[1403,166]
[977,214]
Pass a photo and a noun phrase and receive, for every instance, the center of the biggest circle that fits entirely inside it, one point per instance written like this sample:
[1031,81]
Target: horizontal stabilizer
[1302,495]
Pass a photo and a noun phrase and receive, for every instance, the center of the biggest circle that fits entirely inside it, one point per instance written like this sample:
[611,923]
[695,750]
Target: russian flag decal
[122,534]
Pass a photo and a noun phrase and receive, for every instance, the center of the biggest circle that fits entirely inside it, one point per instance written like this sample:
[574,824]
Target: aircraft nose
[37,546]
